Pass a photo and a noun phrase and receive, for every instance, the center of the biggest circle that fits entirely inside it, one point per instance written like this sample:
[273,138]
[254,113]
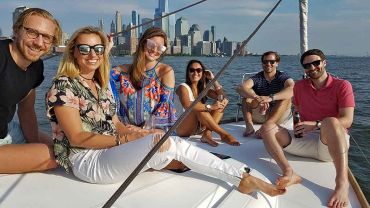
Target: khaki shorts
[310,146]
[259,118]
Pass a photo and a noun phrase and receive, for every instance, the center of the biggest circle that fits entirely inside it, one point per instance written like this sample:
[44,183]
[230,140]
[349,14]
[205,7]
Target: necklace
[92,79]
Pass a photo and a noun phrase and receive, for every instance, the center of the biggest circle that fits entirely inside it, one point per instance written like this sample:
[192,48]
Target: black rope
[137,170]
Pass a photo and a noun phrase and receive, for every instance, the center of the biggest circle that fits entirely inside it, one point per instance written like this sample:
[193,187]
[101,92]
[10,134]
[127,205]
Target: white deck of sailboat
[168,189]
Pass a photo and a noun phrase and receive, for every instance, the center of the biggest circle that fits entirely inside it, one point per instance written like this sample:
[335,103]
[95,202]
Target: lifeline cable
[137,170]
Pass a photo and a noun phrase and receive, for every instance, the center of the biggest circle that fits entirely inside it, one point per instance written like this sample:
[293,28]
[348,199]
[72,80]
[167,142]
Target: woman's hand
[209,75]
[110,42]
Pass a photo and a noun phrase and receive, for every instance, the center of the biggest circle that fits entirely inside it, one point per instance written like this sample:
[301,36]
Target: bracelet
[272,97]
[118,141]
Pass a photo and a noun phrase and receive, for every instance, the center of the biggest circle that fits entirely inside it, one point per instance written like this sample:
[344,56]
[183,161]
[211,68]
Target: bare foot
[250,184]
[248,130]
[207,138]
[339,198]
[227,138]
[288,178]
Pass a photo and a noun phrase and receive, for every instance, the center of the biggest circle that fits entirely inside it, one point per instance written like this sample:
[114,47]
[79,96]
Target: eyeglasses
[86,49]
[33,34]
[265,62]
[198,70]
[152,45]
[314,63]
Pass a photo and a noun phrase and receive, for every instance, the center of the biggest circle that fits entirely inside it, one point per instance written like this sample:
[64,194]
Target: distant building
[101,25]
[65,38]
[203,48]
[206,36]
[176,50]
[1,32]
[135,21]
[118,22]
[213,33]
[181,27]
[186,50]
[146,26]
[229,47]
[186,40]
[195,34]
[167,24]
[18,11]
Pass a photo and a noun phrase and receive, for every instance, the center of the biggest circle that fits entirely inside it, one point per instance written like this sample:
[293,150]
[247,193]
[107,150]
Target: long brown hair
[137,68]
[202,82]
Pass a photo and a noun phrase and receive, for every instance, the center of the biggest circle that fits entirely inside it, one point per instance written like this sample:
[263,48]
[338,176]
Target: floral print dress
[154,98]
[96,113]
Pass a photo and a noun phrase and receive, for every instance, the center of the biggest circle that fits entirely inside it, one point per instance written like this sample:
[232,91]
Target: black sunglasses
[269,62]
[198,70]
[85,49]
[314,63]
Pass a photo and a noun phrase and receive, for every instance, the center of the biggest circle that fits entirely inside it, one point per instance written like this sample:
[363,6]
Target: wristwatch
[318,125]
[272,97]
[208,107]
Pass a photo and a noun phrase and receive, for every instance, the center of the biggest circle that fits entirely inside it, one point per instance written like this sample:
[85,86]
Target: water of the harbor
[354,69]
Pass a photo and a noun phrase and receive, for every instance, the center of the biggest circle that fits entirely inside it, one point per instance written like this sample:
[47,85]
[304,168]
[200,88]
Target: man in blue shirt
[266,95]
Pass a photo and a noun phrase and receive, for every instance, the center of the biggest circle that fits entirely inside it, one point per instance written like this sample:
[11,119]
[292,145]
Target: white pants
[115,164]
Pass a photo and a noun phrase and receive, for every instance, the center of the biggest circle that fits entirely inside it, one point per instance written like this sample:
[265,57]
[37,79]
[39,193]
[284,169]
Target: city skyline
[338,27]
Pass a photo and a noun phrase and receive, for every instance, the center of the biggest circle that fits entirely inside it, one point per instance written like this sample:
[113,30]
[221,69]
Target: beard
[315,74]
[23,51]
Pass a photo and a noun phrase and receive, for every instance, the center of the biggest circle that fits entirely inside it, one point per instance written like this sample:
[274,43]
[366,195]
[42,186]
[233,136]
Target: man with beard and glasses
[326,106]
[266,95]
[23,148]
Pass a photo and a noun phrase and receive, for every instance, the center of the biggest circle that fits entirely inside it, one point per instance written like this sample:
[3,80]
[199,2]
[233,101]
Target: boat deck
[168,189]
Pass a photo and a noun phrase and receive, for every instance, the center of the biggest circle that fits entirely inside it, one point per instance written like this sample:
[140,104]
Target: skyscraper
[206,35]
[213,33]
[18,11]
[118,22]
[167,24]
[135,21]
[146,26]
[101,25]
[181,27]
[112,27]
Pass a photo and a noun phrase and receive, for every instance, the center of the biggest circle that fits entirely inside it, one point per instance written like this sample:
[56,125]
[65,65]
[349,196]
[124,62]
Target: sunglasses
[314,63]
[86,49]
[265,62]
[33,34]
[152,46]
[198,70]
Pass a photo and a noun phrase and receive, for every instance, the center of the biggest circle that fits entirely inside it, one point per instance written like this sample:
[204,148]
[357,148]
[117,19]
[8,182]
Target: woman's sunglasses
[152,45]
[265,62]
[198,70]
[314,63]
[86,49]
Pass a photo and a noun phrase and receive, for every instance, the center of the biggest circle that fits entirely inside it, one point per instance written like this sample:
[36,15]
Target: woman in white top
[203,114]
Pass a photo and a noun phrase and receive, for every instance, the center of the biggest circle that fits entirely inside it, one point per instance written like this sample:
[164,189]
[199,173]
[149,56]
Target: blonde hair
[42,13]
[137,68]
[69,67]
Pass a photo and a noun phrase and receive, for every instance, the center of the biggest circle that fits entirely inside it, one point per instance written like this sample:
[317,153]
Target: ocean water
[354,69]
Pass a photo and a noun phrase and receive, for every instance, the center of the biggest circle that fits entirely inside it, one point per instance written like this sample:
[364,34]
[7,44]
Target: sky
[338,27]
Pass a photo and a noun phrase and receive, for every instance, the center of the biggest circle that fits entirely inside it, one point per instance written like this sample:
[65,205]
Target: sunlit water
[354,69]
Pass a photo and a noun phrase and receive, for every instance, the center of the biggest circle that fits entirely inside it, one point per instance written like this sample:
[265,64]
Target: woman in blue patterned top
[146,87]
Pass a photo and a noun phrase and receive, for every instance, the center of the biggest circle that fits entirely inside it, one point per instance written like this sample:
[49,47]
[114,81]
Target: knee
[165,146]
[330,122]
[266,128]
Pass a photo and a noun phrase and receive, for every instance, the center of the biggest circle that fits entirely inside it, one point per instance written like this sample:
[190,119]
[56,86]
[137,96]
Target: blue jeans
[15,134]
